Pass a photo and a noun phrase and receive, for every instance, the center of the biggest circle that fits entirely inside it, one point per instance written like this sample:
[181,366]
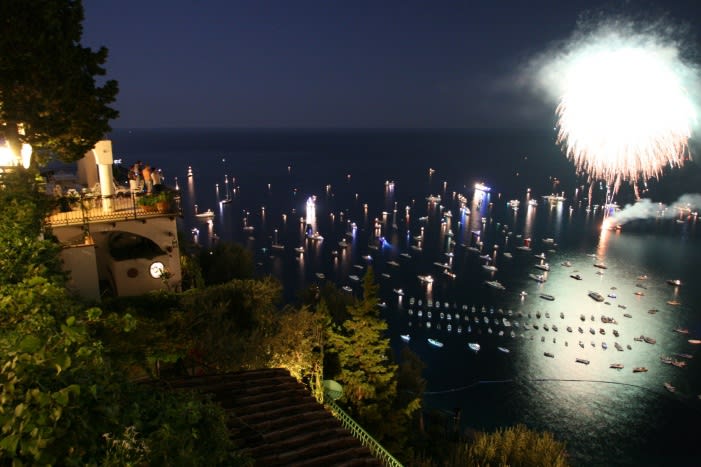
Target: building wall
[130,276]
[80,262]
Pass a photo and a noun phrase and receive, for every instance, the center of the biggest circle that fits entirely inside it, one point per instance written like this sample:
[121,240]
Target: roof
[274,419]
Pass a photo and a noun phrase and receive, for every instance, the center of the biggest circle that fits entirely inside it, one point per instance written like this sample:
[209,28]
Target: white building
[112,244]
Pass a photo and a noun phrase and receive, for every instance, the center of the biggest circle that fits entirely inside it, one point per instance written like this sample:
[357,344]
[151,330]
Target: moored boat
[495,284]
[639,369]
[547,297]
[596,296]
[503,349]
[669,387]
[405,337]
[617,366]
[548,354]
[582,360]
[435,343]
[474,346]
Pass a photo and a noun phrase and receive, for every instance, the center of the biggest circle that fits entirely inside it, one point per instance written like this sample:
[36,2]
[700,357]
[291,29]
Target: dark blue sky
[325,63]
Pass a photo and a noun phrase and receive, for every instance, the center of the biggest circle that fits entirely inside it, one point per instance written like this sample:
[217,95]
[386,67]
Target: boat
[398,291]
[576,276]
[684,355]
[596,296]
[299,249]
[543,267]
[673,302]
[649,340]
[547,297]
[208,214]
[343,244]
[523,294]
[354,278]
[495,284]
[427,279]
[639,369]
[669,387]
[321,275]
[627,315]
[600,266]
[617,366]
[474,346]
[566,264]
[694,341]
[537,277]
[681,330]
[618,346]
[405,337]
[582,360]
[503,349]
[346,288]
[435,343]
[393,263]
[490,267]
[548,354]
[674,282]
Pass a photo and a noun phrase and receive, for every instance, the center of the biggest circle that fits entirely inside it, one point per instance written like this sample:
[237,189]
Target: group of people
[144,179]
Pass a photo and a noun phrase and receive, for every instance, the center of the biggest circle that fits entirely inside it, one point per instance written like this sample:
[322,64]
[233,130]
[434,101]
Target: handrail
[88,209]
[363,436]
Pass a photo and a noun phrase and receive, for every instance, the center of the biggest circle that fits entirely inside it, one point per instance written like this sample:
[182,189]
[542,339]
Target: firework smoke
[646,209]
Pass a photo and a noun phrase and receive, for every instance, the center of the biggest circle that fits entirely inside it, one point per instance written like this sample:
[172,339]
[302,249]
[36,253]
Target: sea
[429,209]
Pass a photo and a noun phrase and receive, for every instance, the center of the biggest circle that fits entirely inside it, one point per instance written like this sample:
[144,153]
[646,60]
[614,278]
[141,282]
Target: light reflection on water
[586,405]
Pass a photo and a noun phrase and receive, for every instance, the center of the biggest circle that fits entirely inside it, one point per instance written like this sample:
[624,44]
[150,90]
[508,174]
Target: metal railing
[363,436]
[86,208]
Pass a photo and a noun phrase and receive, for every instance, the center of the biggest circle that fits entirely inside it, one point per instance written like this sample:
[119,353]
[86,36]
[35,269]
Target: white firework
[625,104]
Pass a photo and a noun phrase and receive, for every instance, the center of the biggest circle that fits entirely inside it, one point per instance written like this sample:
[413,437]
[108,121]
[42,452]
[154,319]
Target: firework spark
[625,104]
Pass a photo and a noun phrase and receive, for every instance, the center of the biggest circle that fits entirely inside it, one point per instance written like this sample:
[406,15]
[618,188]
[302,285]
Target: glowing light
[625,104]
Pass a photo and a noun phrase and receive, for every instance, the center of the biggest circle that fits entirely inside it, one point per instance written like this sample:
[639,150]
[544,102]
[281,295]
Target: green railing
[363,436]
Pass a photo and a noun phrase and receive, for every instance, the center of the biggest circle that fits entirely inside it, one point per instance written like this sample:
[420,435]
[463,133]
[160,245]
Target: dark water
[370,188]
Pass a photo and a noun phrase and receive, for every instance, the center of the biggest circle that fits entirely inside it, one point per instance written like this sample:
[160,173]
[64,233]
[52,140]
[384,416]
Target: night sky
[350,64]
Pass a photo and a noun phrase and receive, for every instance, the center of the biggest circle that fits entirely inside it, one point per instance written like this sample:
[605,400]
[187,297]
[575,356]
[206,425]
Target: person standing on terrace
[148,183]
[134,176]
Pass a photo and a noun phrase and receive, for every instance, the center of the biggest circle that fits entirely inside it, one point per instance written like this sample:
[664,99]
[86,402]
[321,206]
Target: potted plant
[164,201]
[148,203]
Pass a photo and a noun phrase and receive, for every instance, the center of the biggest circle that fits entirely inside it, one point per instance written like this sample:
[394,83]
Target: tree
[226,261]
[24,252]
[49,96]
[367,372]
[514,446]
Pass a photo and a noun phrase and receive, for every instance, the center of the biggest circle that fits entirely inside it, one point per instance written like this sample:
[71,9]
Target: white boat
[537,277]
[427,278]
[495,284]
[435,343]
[405,337]
[399,291]
[490,267]
[474,346]
[354,278]
[208,214]
[503,349]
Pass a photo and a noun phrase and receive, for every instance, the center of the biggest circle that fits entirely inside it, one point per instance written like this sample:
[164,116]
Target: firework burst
[625,104]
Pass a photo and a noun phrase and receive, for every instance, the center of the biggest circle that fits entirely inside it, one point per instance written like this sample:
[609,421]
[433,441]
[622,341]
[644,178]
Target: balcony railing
[85,208]
[363,436]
